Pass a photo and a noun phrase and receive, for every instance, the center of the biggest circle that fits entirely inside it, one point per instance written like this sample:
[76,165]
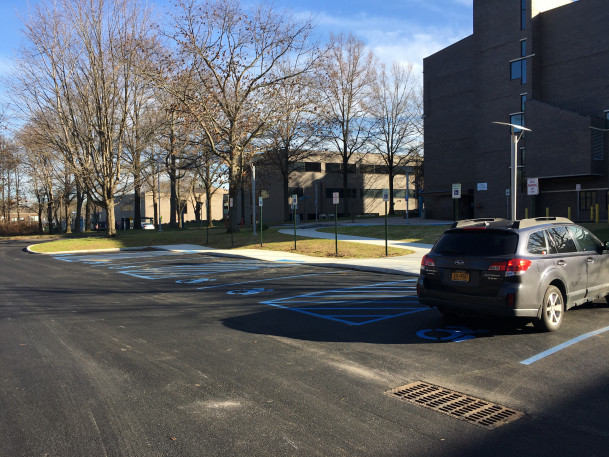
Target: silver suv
[531,268]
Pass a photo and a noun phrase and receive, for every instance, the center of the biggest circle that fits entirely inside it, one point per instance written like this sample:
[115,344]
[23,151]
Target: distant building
[316,180]
[543,64]
[194,206]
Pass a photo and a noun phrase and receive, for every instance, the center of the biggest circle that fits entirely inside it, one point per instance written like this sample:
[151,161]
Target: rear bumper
[494,306]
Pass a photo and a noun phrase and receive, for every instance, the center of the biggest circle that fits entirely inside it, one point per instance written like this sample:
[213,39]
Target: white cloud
[394,39]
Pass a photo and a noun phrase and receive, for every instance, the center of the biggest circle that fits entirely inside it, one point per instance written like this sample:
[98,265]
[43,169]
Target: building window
[373,193]
[597,144]
[522,157]
[607,119]
[587,199]
[296,166]
[312,166]
[518,70]
[517,119]
[338,168]
[366,169]
[523,14]
[333,168]
[523,48]
[515,70]
[523,101]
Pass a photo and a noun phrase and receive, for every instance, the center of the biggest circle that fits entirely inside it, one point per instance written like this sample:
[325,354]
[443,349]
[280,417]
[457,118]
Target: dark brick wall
[467,87]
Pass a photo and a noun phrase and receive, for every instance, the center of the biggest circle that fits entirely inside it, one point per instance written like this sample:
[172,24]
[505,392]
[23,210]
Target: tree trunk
[391,205]
[345,185]
[109,207]
[67,214]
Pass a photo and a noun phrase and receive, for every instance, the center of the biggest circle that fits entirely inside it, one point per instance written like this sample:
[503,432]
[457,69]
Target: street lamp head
[514,126]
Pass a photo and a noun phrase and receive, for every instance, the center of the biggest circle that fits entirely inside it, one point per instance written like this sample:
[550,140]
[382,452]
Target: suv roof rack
[531,222]
[482,222]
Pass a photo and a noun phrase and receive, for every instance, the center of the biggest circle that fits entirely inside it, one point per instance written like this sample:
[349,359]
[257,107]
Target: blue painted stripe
[270,279]
[560,347]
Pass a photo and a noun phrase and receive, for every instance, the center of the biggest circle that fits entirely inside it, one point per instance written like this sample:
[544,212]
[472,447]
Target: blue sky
[396,30]
[404,30]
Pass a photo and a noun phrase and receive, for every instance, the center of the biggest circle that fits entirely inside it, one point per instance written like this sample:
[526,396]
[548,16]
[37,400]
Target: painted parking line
[270,279]
[197,270]
[94,259]
[359,305]
[564,345]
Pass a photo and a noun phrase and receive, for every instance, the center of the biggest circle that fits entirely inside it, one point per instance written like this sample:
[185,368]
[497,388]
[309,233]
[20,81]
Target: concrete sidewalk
[407,264]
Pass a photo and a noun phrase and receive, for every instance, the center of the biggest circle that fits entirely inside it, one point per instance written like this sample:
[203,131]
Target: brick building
[316,179]
[542,64]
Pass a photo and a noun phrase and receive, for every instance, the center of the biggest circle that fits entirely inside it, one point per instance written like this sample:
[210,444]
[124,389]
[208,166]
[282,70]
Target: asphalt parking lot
[164,353]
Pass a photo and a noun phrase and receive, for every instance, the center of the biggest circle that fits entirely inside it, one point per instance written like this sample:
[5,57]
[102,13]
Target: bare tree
[394,108]
[348,72]
[229,60]
[296,137]
[78,65]
[9,178]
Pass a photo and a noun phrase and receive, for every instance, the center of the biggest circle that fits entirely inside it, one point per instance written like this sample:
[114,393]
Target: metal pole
[336,228]
[158,168]
[294,217]
[514,174]
[407,197]
[261,223]
[316,215]
[253,198]
[386,234]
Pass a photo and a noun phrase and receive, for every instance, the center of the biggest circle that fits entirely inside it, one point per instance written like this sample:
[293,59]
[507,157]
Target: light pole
[253,197]
[253,167]
[515,129]
[158,169]
[407,170]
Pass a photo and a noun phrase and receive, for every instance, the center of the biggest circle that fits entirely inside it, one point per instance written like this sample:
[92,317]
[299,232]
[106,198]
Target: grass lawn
[272,240]
[219,239]
[427,234]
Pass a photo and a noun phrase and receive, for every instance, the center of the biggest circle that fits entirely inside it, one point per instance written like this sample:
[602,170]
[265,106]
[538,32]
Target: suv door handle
[561,263]
[590,260]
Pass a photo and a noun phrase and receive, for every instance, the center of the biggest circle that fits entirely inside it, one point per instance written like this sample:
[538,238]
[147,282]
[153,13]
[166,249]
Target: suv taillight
[511,267]
[427,262]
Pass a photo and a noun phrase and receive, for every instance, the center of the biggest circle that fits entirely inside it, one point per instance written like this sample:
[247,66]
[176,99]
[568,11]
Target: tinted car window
[477,243]
[585,240]
[537,243]
[561,241]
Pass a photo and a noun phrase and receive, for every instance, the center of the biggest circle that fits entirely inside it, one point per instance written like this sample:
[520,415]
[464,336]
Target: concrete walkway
[408,264]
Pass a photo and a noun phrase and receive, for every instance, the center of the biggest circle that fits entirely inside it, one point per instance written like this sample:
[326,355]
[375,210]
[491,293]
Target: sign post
[532,190]
[386,199]
[335,199]
[456,195]
[260,199]
[294,205]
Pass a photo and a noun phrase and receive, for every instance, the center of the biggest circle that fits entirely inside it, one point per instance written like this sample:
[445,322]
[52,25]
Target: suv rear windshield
[477,243]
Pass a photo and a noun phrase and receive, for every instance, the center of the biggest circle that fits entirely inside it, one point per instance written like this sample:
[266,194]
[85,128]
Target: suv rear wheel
[552,310]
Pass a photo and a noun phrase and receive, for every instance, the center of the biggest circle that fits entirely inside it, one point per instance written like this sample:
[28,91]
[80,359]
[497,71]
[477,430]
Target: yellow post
[568,212]
[597,211]
[526,213]
[547,212]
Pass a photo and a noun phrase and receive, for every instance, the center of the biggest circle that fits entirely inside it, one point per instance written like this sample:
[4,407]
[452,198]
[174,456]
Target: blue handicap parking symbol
[449,334]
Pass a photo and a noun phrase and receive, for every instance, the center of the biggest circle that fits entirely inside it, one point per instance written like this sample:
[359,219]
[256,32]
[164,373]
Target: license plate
[461,276]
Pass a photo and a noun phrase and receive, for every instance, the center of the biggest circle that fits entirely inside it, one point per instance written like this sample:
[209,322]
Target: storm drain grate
[455,404]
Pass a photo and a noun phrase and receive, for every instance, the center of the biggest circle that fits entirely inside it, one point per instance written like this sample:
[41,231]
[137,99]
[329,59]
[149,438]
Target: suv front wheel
[552,310]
